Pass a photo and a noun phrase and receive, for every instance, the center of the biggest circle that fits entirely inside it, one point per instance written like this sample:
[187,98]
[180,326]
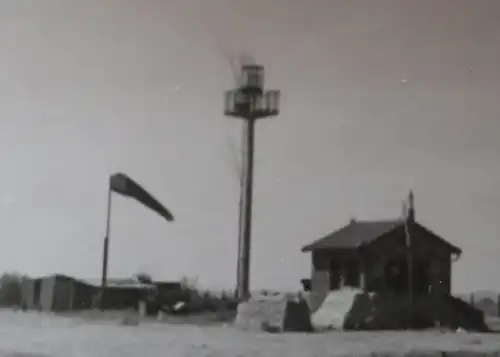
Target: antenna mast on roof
[408,215]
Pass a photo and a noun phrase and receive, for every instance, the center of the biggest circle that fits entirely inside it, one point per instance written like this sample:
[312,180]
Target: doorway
[334,273]
[344,273]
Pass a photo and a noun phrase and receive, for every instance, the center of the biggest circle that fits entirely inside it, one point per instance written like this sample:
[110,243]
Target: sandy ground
[38,334]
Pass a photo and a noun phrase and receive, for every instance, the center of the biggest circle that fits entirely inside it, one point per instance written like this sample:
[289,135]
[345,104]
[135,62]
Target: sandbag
[274,314]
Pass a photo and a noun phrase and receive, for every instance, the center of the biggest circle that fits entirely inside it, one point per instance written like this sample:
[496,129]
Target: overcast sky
[377,97]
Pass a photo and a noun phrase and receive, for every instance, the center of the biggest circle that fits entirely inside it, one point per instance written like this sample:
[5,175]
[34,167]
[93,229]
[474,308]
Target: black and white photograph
[249,178]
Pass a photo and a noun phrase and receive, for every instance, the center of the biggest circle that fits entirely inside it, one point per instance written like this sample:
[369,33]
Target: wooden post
[104,278]
[362,273]
[71,294]
[498,305]
[362,280]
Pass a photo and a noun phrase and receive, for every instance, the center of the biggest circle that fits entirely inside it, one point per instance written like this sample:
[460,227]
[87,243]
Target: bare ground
[39,334]
[493,323]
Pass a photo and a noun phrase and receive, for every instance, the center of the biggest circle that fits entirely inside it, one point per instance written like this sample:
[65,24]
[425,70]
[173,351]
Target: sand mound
[335,308]
[451,312]
[274,314]
[353,309]
[377,312]
[391,312]
[320,288]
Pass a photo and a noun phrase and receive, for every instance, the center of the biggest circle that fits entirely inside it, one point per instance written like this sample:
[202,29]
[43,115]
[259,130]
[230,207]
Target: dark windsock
[124,185]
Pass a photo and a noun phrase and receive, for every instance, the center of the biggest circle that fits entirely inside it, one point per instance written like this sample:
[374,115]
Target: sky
[378,97]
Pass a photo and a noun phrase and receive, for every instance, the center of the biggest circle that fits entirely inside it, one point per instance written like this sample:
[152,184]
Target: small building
[63,293]
[56,293]
[373,256]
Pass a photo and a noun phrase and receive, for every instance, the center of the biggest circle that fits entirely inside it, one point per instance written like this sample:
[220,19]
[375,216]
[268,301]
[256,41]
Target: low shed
[62,293]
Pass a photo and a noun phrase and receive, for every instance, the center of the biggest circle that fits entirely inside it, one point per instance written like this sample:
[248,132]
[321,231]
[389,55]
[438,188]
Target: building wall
[117,298]
[72,294]
[83,295]
[322,263]
[441,276]
[47,293]
[56,293]
[62,293]
[432,253]
[28,293]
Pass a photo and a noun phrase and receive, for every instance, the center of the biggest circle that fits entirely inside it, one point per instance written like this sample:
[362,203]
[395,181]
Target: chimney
[411,207]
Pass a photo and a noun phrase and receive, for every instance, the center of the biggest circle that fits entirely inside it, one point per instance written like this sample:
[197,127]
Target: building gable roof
[360,233]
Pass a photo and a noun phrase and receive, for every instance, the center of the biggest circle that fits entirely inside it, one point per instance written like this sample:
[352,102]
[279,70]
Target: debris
[131,320]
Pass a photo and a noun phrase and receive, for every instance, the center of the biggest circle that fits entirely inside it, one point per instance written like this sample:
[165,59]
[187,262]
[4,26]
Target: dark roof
[358,233]
[126,283]
[353,235]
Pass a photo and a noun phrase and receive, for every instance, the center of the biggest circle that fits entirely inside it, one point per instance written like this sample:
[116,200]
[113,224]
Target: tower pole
[241,176]
[243,287]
